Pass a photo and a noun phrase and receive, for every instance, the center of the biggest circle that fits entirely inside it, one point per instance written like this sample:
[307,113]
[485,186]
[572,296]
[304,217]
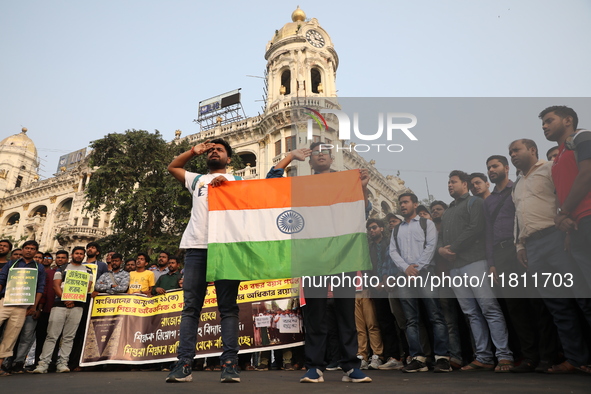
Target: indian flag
[287,227]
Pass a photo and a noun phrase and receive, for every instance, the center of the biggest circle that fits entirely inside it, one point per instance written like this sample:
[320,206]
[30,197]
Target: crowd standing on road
[539,222]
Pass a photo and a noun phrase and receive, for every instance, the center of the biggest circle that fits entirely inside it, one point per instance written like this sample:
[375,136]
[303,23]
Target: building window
[84,179]
[65,206]
[85,221]
[95,223]
[19,180]
[39,211]
[286,82]
[75,221]
[13,219]
[277,148]
[290,143]
[315,138]
[316,80]
[292,171]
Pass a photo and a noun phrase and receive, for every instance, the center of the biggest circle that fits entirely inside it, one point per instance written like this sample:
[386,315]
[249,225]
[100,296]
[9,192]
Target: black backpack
[422,222]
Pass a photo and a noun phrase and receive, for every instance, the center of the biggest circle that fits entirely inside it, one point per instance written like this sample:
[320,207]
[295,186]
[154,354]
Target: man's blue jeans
[484,313]
[194,290]
[410,296]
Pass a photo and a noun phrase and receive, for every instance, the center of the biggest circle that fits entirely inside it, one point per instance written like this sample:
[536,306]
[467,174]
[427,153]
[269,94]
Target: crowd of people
[539,223]
[50,318]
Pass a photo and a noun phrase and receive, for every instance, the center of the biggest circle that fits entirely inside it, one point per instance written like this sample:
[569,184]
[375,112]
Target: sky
[74,71]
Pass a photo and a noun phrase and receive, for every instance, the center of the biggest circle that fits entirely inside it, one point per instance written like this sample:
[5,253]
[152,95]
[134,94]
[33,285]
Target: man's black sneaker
[181,372]
[442,365]
[415,366]
[18,368]
[230,373]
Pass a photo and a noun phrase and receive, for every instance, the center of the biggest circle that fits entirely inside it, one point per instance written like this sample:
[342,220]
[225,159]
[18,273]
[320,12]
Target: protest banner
[75,286]
[262,321]
[135,329]
[21,286]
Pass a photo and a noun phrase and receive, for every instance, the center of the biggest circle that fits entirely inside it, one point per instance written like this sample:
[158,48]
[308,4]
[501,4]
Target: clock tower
[301,61]
[301,72]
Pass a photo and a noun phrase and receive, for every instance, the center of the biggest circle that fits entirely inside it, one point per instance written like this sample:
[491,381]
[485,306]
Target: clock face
[315,38]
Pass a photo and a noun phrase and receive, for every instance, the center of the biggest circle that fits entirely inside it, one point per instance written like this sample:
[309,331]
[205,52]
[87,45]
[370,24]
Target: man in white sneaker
[64,318]
[316,332]
[366,321]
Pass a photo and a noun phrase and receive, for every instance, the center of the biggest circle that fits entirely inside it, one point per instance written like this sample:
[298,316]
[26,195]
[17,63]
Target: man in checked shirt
[115,281]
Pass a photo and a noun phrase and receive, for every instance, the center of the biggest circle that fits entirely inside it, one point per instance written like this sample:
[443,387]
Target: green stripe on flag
[288,259]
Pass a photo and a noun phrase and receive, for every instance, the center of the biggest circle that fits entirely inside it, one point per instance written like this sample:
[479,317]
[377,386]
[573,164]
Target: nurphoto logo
[392,121]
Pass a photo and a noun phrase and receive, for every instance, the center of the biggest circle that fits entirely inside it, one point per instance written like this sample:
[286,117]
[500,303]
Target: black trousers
[315,323]
[529,318]
[388,327]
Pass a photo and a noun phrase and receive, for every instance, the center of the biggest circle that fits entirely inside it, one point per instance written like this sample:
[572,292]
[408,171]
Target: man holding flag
[316,297]
[195,241]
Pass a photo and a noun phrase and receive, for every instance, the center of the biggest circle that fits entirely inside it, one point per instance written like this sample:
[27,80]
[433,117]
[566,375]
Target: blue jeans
[194,290]
[484,313]
[27,337]
[547,255]
[409,298]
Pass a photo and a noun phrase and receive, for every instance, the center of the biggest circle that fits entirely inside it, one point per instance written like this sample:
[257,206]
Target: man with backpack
[412,248]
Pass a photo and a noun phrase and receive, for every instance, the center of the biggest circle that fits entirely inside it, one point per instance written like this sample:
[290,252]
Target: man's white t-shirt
[195,235]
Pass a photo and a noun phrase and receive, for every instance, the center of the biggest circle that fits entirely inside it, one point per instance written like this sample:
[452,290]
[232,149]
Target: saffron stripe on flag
[303,191]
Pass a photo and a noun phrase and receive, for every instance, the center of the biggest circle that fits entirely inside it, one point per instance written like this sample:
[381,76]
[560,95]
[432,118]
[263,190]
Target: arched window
[41,210]
[316,79]
[286,81]
[12,219]
[249,159]
[65,206]
[385,207]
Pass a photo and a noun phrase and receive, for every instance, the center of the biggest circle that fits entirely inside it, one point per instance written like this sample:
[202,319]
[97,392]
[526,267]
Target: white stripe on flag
[258,225]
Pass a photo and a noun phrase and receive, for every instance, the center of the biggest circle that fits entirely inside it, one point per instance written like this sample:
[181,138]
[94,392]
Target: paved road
[288,382]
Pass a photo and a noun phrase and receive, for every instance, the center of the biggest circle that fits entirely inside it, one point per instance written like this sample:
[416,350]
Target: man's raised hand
[301,154]
[364,176]
[201,148]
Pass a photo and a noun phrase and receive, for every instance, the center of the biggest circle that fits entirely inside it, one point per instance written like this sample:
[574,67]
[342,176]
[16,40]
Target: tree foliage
[149,208]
